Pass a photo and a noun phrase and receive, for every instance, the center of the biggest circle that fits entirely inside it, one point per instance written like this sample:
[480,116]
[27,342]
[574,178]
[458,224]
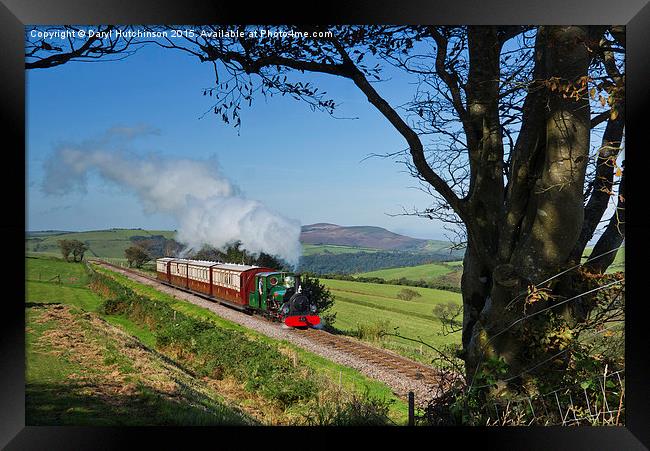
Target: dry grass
[114,369]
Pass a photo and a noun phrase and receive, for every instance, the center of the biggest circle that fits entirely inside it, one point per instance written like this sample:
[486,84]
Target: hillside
[101,243]
[440,272]
[362,308]
[366,237]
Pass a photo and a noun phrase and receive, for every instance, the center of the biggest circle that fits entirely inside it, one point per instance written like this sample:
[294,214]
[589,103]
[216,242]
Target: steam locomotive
[276,294]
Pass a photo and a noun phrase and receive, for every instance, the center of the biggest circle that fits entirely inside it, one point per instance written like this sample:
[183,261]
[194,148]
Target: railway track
[409,374]
[382,358]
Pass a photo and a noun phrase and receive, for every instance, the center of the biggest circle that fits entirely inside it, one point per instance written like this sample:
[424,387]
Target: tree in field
[66,248]
[406,294]
[515,131]
[78,250]
[172,248]
[74,248]
[137,256]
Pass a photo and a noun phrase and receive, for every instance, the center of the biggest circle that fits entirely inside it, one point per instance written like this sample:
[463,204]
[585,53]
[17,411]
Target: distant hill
[326,247]
[334,249]
[42,233]
[366,237]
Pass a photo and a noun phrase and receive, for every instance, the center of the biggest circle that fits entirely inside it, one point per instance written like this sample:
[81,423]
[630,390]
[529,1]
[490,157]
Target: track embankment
[399,373]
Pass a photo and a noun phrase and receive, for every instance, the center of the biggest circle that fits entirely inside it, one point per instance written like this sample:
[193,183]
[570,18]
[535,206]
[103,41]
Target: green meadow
[429,273]
[101,243]
[361,306]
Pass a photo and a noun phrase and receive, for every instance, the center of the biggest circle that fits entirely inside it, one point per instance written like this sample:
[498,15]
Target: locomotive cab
[269,290]
[278,294]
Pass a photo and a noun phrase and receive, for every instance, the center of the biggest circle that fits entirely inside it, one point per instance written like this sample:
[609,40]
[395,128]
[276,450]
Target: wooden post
[411,409]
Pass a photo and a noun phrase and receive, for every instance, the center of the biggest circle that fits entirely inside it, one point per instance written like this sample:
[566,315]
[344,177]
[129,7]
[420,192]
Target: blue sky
[314,159]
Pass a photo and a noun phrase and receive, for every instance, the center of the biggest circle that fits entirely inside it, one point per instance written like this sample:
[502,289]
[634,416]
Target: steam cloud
[207,207]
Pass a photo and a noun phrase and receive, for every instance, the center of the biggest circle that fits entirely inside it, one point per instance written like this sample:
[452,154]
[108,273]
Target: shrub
[373,331]
[406,294]
[113,307]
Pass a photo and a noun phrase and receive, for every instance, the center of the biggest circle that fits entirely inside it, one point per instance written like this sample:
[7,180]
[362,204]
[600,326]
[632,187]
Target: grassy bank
[54,399]
[345,378]
[82,369]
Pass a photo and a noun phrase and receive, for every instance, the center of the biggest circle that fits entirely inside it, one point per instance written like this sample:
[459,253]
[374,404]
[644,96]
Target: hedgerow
[208,349]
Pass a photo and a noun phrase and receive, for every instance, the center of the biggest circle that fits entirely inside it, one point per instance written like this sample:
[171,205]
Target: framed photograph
[406,216]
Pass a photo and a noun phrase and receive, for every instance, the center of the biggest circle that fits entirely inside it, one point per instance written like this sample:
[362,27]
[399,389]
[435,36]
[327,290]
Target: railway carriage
[245,287]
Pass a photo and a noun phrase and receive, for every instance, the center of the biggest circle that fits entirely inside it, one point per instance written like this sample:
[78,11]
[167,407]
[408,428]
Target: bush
[406,294]
[321,296]
[112,307]
[373,331]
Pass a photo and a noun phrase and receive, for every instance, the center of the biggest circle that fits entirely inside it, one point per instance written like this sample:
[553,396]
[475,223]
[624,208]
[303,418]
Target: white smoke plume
[207,207]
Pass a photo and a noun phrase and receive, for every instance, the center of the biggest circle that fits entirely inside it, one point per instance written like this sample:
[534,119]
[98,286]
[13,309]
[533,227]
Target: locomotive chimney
[297,282]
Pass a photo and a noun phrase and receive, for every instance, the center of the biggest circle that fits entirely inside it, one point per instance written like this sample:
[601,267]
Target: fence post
[411,409]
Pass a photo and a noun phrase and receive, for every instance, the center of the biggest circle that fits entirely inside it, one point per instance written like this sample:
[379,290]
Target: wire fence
[526,317]
[595,402]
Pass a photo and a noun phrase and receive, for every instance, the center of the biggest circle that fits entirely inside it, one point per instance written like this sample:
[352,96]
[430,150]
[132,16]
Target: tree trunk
[550,201]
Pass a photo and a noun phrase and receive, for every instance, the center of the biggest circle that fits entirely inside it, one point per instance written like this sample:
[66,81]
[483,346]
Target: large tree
[75,247]
[500,131]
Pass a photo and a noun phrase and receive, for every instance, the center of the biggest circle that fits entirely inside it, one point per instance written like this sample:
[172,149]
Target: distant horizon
[175,230]
[407,234]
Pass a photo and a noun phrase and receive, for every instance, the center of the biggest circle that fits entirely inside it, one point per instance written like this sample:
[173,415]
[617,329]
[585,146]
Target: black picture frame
[15,14]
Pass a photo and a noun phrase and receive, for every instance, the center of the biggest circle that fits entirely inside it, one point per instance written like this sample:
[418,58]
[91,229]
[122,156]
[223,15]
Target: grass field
[101,243]
[56,397]
[429,273]
[367,304]
[83,370]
